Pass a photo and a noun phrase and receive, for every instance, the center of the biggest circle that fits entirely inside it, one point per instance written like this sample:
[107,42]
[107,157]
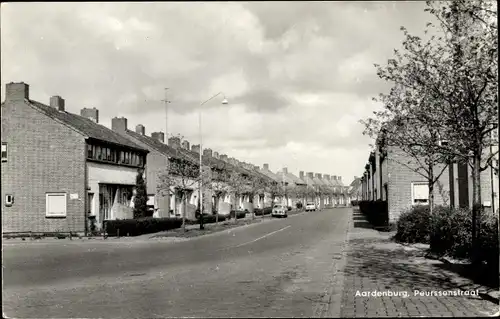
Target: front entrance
[115,201]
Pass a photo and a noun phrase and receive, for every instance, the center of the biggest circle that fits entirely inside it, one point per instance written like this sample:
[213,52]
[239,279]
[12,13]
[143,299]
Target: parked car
[279,211]
[310,207]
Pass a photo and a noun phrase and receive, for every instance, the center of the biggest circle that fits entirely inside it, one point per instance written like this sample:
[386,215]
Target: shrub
[267,210]
[413,225]
[488,241]
[239,214]
[141,196]
[451,235]
[451,232]
[299,205]
[289,208]
[140,226]
[376,212]
[258,212]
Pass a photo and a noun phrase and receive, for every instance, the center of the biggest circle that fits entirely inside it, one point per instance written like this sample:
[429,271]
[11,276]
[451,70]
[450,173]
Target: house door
[90,204]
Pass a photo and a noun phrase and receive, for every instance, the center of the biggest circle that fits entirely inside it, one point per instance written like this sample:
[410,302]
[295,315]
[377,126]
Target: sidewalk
[375,264]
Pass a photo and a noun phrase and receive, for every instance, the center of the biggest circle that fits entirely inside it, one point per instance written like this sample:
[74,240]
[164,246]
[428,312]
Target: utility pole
[166,101]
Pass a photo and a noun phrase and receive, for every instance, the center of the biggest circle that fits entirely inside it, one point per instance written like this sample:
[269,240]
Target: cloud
[297,75]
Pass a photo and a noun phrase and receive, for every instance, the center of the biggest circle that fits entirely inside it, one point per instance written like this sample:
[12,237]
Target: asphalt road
[280,268]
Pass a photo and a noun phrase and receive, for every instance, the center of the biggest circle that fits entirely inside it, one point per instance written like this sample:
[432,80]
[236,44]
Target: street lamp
[224,101]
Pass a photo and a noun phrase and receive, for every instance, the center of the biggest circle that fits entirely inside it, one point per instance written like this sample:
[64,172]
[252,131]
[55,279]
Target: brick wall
[155,164]
[399,179]
[43,156]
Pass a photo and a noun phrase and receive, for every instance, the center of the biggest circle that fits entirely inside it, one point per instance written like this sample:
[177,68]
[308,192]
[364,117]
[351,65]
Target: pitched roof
[270,175]
[86,126]
[308,181]
[156,145]
[290,178]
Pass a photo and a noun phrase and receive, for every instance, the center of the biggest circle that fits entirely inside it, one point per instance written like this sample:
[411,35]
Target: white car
[310,207]
[279,211]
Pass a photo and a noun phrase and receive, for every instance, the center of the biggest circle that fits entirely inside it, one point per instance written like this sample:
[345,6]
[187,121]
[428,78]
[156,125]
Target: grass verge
[209,229]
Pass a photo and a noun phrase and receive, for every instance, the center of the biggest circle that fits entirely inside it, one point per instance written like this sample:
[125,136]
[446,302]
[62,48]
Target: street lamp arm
[213,97]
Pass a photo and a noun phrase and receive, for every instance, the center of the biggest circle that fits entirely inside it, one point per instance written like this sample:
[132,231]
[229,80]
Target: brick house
[355,189]
[386,178]
[60,170]
[310,190]
[274,178]
[294,187]
[169,203]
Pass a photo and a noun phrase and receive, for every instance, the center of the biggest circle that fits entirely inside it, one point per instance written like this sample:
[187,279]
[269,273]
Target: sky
[298,76]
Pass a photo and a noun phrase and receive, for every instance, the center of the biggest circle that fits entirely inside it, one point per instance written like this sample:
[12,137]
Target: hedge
[207,219]
[140,226]
[239,214]
[451,235]
[376,212]
[413,225]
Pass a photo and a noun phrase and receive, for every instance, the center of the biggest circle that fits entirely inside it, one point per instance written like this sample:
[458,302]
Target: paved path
[376,264]
[280,268]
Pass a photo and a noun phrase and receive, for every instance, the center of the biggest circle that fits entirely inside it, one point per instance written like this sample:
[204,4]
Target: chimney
[207,152]
[17,91]
[318,175]
[196,148]
[185,145]
[327,177]
[223,157]
[174,142]
[119,124]
[159,136]
[265,166]
[92,114]
[233,161]
[301,174]
[285,170]
[310,175]
[256,167]
[140,129]
[216,154]
[57,102]
[339,178]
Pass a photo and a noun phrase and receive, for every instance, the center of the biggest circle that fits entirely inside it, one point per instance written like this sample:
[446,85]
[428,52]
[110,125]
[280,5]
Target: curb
[336,288]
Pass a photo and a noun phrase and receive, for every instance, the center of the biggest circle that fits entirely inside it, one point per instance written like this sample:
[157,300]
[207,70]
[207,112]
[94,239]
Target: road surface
[280,268]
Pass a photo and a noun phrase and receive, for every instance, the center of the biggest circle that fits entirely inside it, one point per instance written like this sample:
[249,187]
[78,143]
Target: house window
[55,205]
[89,151]
[4,152]
[9,200]
[419,193]
[97,154]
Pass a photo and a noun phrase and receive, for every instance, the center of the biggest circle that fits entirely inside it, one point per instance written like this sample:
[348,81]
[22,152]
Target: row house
[62,172]
[355,190]
[278,181]
[293,187]
[391,176]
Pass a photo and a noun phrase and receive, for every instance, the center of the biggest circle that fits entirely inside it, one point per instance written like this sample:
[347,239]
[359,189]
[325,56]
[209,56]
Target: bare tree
[179,177]
[219,184]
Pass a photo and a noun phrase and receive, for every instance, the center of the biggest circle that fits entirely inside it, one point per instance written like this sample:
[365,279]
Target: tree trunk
[217,197]
[431,188]
[476,201]
[251,197]
[184,212]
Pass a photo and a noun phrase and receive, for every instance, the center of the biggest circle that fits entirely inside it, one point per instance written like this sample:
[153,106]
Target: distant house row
[391,176]
[60,170]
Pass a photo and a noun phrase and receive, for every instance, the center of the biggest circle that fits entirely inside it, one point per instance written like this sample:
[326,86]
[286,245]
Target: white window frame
[413,195]
[47,213]
[4,159]
[9,200]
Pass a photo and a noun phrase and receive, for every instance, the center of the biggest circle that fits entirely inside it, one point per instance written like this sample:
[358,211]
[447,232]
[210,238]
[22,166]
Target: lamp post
[224,101]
